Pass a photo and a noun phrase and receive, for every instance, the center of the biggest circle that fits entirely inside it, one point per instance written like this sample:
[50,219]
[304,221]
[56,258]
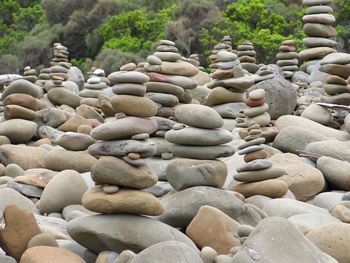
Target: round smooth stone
[62,96]
[273,188]
[167,42]
[254,103]
[332,79]
[220,95]
[167,48]
[154,60]
[250,149]
[255,165]
[94,80]
[342,71]
[124,201]
[287,62]
[319,30]
[134,106]
[336,58]
[319,9]
[89,93]
[168,56]
[110,189]
[128,67]
[166,100]
[95,86]
[198,137]
[259,175]
[262,154]
[257,141]
[23,87]
[225,56]
[255,111]
[161,87]
[129,89]
[127,77]
[203,152]
[316,2]
[262,119]
[141,136]
[319,42]
[199,116]
[326,19]
[287,55]
[333,89]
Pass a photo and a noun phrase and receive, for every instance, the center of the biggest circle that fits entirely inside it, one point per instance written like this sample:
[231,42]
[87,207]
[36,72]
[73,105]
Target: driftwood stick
[334,106]
[312,156]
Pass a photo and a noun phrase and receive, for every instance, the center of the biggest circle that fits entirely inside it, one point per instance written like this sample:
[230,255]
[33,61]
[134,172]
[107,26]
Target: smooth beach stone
[168,251]
[250,149]
[19,229]
[167,48]
[335,69]
[88,93]
[332,89]
[332,79]
[307,222]
[315,53]
[121,232]
[166,100]
[332,238]
[284,207]
[340,99]
[7,259]
[74,141]
[287,55]
[26,157]
[123,128]
[319,9]
[256,111]
[257,141]
[154,60]
[18,130]
[221,236]
[181,68]
[95,86]
[259,175]
[19,112]
[255,165]
[47,132]
[224,56]
[203,152]
[336,58]
[51,117]
[318,114]
[240,84]
[134,106]
[335,171]
[185,173]
[59,160]
[24,100]
[199,137]
[319,30]
[167,56]
[9,196]
[43,254]
[181,207]
[198,116]
[332,148]
[229,110]
[303,180]
[278,240]
[27,190]
[66,188]
[273,188]
[62,96]
[181,81]
[24,87]
[312,42]
[122,148]
[327,19]
[128,67]
[316,2]
[127,77]
[129,89]
[220,95]
[262,119]
[288,62]
[294,139]
[127,201]
[161,87]
[111,170]
[288,120]
[257,94]
[42,240]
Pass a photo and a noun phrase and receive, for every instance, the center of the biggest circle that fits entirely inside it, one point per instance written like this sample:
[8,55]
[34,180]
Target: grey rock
[25,189]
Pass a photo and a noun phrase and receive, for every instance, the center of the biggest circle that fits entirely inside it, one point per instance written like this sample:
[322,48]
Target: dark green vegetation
[109,33]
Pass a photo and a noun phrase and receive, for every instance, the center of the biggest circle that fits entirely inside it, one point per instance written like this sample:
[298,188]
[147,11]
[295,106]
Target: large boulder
[281,96]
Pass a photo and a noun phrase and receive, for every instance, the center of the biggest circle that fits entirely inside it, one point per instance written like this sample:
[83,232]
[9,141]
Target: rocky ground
[162,162]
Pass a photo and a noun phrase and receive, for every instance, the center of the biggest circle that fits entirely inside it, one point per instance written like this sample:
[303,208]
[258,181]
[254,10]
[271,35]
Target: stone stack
[97,72]
[247,56]
[258,176]
[228,87]
[170,78]
[287,58]
[228,42]
[60,54]
[320,40]
[337,65]
[30,74]
[224,45]
[199,142]
[93,88]
[194,59]
[256,111]
[121,173]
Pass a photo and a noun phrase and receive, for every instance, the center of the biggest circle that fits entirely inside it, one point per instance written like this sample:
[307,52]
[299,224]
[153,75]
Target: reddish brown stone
[254,103]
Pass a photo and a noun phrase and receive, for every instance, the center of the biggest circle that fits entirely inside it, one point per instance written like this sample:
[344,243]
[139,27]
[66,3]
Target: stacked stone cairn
[60,54]
[194,59]
[170,78]
[30,74]
[247,56]
[121,173]
[337,65]
[199,141]
[228,87]
[224,44]
[98,72]
[320,40]
[93,88]
[258,176]
[287,58]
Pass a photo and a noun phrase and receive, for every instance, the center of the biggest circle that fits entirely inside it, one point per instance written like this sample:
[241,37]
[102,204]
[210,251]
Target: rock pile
[170,78]
[93,88]
[60,54]
[30,74]
[318,28]
[258,176]
[247,56]
[337,65]
[224,45]
[287,58]
[201,139]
